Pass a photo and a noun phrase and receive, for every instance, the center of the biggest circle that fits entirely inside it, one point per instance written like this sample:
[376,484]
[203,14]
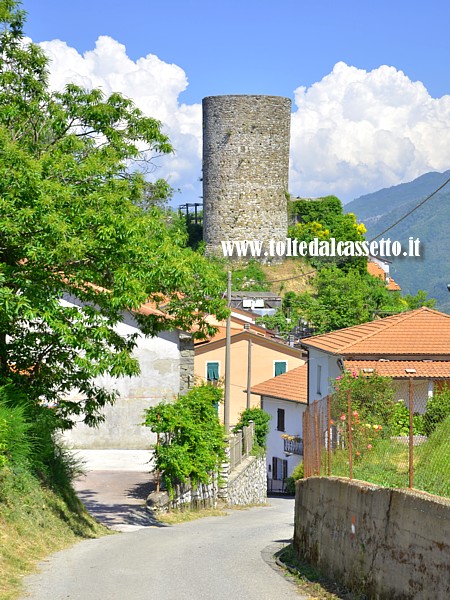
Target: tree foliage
[343,299]
[191,437]
[75,222]
[373,397]
[261,420]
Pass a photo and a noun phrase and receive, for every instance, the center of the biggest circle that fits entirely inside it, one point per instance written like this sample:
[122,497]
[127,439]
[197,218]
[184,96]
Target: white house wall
[293,418]
[421,389]
[159,360]
[329,370]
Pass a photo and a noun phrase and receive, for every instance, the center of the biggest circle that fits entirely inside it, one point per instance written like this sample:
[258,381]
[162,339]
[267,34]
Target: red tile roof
[424,369]
[292,385]
[376,271]
[393,286]
[417,332]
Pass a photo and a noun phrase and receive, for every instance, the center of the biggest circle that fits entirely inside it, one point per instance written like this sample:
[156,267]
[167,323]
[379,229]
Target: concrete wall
[388,544]
[166,364]
[245,168]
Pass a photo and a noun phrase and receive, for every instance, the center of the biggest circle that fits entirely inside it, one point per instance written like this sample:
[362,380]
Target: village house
[379,268]
[414,345]
[167,369]
[284,398]
[268,357]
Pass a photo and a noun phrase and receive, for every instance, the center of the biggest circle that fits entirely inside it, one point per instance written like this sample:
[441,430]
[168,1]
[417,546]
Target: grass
[174,517]
[387,464]
[35,522]
[309,580]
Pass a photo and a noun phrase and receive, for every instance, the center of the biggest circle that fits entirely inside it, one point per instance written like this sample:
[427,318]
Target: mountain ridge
[430,223]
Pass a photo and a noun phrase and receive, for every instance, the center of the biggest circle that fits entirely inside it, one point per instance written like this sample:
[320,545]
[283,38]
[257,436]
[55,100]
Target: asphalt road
[215,558]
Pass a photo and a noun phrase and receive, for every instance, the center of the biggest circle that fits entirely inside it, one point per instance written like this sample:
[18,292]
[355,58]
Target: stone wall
[388,544]
[186,362]
[247,483]
[245,168]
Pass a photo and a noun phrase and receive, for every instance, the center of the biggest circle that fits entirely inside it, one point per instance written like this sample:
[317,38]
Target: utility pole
[226,401]
[249,367]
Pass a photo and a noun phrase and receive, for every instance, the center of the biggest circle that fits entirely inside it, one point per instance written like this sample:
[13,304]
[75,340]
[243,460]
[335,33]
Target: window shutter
[280,419]
[212,371]
[280,367]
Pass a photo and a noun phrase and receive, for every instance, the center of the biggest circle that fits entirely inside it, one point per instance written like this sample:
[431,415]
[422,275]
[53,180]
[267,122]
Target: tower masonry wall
[245,168]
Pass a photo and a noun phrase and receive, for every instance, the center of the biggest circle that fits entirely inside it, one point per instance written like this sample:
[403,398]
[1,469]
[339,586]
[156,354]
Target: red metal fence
[402,442]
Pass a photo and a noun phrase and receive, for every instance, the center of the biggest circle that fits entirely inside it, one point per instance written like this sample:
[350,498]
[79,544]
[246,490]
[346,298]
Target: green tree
[261,420]
[344,299]
[73,225]
[191,437]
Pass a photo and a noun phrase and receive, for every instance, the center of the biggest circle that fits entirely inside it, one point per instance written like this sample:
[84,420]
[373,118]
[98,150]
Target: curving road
[215,558]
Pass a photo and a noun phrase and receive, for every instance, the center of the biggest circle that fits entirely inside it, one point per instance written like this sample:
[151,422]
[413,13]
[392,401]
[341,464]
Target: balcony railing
[293,446]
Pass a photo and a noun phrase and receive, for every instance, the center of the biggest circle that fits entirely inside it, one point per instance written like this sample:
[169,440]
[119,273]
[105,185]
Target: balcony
[293,446]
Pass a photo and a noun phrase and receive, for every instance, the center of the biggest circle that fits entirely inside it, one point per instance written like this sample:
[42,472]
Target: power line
[411,211]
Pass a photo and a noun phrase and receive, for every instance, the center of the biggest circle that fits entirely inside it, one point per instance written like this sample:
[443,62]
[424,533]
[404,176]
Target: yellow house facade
[268,358]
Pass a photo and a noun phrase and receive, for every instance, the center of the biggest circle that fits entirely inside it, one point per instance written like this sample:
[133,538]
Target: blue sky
[288,48]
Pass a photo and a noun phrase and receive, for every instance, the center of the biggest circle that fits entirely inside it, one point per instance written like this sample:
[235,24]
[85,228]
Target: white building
[167,369]
[284,398]
[414,345]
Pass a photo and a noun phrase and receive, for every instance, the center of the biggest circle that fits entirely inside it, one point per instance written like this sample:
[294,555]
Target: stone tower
[245,168]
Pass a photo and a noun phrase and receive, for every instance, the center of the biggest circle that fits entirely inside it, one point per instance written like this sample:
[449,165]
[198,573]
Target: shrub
[297,473]
[15,444]
[261,420]
[438,409]
[400,421]
[372,397]
[191,444]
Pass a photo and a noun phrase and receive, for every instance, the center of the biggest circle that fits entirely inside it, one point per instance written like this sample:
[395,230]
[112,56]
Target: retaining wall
[388,544]
[247,483]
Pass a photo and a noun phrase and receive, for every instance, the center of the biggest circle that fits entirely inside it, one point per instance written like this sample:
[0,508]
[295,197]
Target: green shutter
[280,367]
[212,371]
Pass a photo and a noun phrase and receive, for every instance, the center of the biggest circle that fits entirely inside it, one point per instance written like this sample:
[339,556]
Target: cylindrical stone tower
[245,169]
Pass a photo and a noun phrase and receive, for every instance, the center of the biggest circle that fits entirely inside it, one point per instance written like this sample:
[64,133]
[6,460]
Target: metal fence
[400,440]
[241,444]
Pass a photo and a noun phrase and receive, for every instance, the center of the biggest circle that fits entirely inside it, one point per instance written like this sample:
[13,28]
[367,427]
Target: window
[319,380]
[212,371]
[279,468]
[280,419]
[280,367]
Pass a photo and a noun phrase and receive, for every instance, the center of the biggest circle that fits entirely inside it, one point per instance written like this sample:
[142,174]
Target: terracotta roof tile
[393,286]
[436,369]
[417,332]
[375,270]
[292,385]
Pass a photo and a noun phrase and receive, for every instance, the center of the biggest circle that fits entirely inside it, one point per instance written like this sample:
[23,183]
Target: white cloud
[356,131]
[154,86]
[353,132]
